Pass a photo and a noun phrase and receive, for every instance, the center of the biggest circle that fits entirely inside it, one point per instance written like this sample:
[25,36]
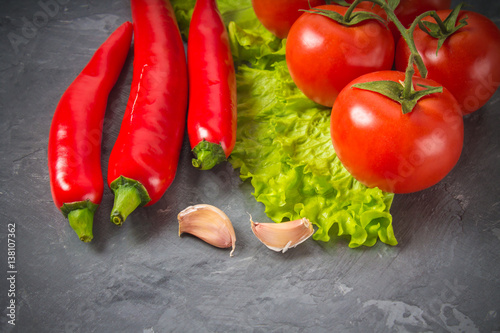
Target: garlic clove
[282,236]
[208,223]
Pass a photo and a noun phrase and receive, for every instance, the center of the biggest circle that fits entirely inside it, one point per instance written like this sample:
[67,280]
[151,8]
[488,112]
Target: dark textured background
[142,277]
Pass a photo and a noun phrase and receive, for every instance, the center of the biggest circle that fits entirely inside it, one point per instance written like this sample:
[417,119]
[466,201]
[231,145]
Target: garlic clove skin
[282,236]
[208,223]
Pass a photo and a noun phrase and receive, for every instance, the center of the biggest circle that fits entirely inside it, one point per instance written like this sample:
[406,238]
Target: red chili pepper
[144,159]
[212,87]
[74,151]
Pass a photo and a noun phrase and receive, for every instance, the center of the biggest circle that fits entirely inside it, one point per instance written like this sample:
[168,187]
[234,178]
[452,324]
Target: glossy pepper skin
[74,151]
[143,161]
[212,87]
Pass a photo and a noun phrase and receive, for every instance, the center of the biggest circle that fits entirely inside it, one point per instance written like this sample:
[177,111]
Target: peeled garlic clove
[208,223]
[282,236]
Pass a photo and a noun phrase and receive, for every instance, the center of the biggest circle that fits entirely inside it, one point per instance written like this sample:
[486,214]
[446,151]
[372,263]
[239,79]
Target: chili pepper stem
[127,199]
[81,220]
[207,155]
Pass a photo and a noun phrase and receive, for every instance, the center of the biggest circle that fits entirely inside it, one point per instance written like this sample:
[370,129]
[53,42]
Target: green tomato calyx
[441,30]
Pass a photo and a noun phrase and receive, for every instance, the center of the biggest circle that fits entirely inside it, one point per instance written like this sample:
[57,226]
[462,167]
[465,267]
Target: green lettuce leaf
[283,144]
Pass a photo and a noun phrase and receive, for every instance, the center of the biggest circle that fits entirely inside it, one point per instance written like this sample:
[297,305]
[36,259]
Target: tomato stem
[347,15]
[408,83]
[415,57]
[441,30]
[440,23]
[403,92]
[407,34]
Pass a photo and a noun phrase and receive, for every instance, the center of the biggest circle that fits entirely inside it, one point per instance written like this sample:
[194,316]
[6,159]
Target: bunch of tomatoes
[380,65]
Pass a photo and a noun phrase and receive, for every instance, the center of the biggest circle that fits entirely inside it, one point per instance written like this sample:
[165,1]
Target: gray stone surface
[444,276]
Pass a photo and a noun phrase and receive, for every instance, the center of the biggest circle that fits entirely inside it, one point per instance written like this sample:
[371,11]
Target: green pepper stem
[81,220]
[207,155]
[127,199]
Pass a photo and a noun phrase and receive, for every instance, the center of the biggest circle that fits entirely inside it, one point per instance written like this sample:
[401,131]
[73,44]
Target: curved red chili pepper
[144,159]
[74,151]
[212,87]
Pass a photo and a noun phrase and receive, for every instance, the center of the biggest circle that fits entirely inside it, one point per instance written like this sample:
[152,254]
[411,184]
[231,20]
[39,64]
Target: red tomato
[467,63]
[323,56]
[278,16]
[407,11]
[400,153]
